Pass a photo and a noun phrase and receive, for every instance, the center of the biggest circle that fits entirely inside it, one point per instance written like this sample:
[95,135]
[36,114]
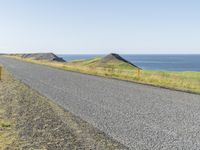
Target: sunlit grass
[186,81]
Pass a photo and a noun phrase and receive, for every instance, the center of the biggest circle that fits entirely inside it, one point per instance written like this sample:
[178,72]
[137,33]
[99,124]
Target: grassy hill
[111,61]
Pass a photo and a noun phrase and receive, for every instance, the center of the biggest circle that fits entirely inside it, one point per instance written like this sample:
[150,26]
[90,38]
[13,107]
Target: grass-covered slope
[41,56]
[117,68]
[111,61]
[185,81]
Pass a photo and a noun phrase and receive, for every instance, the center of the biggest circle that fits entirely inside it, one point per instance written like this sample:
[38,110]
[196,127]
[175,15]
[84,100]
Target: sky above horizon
[100,26]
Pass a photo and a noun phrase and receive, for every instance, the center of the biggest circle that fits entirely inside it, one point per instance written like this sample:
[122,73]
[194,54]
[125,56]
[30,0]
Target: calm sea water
[154,62]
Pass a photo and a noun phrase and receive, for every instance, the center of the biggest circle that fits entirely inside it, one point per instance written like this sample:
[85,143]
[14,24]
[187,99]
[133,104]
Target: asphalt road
[138,116]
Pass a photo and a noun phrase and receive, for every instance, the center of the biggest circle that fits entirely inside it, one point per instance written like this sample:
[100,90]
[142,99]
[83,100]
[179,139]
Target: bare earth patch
[28,120]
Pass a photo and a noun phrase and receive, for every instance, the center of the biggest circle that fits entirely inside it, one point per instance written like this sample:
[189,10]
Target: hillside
[41,56]
[111,61]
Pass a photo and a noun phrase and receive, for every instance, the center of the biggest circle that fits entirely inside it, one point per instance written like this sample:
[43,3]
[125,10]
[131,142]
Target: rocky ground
[28,120]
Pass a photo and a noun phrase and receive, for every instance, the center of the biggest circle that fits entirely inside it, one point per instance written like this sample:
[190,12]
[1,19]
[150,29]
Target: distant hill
[113,61]
[42,56]
[116,57]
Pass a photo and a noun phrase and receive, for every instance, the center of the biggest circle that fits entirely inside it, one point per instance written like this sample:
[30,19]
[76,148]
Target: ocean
[153,62]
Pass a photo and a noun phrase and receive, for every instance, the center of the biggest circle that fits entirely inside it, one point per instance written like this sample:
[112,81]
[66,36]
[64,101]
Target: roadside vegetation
[28,120]
[184,81]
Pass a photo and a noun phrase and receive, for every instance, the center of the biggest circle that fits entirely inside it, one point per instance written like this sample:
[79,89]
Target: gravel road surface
[138,116]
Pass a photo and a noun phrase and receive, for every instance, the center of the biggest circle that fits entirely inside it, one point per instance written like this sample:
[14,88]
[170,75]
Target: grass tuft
[5,124]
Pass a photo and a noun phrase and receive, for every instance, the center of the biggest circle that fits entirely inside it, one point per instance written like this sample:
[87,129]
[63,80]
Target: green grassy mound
[111,61]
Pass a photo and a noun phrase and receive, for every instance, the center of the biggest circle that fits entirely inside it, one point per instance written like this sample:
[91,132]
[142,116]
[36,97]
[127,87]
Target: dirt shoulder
[29,120]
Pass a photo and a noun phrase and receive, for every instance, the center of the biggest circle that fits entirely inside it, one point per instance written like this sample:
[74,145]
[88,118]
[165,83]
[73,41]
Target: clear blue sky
[100,26]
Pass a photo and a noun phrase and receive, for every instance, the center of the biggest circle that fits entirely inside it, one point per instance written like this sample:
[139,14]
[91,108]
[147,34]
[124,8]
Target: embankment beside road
[29,120]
